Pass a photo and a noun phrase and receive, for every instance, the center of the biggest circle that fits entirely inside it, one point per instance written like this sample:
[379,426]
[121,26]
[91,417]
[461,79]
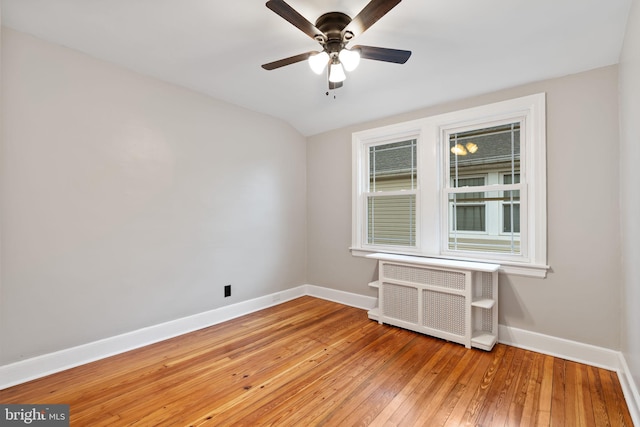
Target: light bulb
[471,147]
[459,150]
[318,61]
[336,73]
[349,58]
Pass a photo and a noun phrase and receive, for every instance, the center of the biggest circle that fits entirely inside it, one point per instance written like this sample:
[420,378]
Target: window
[391,194]
[465,185]
[495,151]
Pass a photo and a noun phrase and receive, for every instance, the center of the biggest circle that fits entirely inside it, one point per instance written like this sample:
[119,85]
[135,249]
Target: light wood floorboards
[311,362]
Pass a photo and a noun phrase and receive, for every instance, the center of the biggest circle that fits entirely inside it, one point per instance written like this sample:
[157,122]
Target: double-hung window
[478,218]
[391,193]
[467,185]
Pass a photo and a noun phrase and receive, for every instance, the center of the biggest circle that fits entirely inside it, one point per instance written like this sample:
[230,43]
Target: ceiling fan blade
[287,61]
[294,18]
[368,16]
[396,56]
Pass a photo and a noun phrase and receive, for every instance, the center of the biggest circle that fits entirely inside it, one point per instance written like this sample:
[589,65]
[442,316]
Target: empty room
[355,212]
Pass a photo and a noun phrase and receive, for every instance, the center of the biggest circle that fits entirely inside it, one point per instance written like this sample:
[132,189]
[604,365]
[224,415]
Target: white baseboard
[559,347]
[630,390]
[40,366]
[346,298]
[578,352]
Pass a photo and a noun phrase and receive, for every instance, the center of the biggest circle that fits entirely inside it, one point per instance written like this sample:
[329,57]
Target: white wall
[580,298]
[629,190]
[127,202]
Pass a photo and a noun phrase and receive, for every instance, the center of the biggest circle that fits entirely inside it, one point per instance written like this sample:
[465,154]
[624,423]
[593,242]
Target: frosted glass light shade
[471,147]
[459,150]
[336,73]
[318,61]
[349,58]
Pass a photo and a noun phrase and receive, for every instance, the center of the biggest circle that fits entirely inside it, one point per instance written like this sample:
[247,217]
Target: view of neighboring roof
[489,147]
[486,146]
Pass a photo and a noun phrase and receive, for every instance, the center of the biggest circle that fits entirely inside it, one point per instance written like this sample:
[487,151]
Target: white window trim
[360,177]
[428,132]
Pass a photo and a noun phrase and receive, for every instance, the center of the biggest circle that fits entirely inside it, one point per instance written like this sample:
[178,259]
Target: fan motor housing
[332,24]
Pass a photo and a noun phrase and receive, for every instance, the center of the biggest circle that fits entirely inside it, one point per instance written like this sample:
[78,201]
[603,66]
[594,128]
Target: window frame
[361,191]
[371,194]
[432,211]
[461,126]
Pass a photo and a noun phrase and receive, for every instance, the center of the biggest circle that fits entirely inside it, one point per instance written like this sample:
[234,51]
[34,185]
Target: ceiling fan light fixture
[459,150]
[349,59]
[336,73]
[333,31]
[318,62]
[471,147]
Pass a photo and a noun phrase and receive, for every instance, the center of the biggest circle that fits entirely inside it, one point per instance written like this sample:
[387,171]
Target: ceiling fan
[334,30]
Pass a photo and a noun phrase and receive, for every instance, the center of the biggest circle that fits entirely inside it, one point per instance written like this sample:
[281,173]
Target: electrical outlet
[227,291]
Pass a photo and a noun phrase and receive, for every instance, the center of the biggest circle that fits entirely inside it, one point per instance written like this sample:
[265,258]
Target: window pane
[508,180]
[393,166]
[469,226]
[507,219]
[392,220]
[506,215]
[470,218]
[474,217]
[484,150]
[469,182]
[469,215]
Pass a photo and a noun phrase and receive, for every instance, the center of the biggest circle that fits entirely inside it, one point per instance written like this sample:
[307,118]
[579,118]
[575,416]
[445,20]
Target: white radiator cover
[453,300]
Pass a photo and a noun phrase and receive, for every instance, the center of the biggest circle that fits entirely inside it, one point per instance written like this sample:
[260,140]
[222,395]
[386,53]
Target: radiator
[453,300]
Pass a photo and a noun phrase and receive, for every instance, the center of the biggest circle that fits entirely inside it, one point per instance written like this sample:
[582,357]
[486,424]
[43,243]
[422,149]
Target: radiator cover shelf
[455,301]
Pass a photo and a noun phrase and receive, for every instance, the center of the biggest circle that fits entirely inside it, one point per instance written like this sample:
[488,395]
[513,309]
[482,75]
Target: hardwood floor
[314,362]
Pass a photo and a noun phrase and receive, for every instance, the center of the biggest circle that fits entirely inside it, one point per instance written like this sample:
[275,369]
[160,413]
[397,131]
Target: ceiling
[460,48]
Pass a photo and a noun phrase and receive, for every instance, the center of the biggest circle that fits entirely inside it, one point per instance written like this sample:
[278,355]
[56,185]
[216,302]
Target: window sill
[527,270]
